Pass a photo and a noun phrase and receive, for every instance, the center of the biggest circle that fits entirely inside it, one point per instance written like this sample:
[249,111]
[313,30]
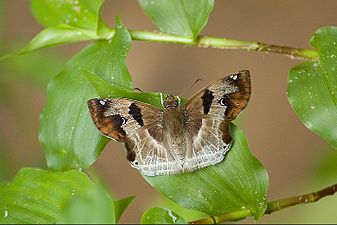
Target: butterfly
[175,139]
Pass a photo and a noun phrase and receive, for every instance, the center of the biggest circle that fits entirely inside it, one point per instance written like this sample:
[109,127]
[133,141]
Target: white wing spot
[234,76]
[102,102]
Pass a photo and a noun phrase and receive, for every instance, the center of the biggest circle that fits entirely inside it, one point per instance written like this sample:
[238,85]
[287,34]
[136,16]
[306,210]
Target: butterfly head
[171,102]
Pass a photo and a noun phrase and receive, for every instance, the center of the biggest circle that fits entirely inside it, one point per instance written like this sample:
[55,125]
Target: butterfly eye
[222,102]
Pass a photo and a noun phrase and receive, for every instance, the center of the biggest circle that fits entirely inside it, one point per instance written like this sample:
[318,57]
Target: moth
[175,139]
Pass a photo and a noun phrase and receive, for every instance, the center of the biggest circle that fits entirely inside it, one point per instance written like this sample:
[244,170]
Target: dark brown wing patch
[224,128]
[224,99]
[135,112]
[108,125]
[130,146]
[236,101]
[120,118]
[207,99]
[156,132]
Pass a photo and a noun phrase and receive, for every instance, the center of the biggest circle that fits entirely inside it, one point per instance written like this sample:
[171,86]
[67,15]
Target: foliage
[312,90]
[41,196]
[72,143]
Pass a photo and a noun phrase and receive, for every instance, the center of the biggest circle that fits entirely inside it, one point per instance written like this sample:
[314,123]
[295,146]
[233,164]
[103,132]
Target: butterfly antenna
[187,90]
[138,89]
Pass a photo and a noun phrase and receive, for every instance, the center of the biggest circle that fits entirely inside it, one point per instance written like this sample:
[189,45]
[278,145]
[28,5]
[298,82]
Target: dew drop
[77,9]
[312,107]
[6,212]
[309,125]
[174,218]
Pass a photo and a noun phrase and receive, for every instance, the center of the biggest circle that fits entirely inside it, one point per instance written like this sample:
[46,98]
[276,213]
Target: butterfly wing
[139,126]
[209,113]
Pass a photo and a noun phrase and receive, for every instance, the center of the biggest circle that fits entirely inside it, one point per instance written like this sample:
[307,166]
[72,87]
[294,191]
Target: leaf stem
[222,43]
[271,206]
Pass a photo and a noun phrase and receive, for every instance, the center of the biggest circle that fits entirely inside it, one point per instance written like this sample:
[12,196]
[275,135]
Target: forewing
[139,125]
[224,99]
[120,118]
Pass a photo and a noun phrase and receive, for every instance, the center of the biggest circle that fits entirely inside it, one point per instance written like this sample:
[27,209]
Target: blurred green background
[297,160]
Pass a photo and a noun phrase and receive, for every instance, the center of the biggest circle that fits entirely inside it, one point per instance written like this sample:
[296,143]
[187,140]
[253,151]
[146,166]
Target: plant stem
[237,215]
[222,43]
[271,206]
[307,198]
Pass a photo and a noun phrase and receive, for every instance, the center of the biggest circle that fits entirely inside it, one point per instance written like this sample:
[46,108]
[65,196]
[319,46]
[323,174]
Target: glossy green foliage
[60,34]
[66,22]
[106,89]
[37,196]
[67,132]
[186,18]
[161,216]
[312,88]
[77,13]
[94,206]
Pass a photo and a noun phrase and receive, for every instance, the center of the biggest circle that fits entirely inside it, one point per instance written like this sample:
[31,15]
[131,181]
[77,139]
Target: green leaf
[66,22]
[109,90]
[77,13]
[37,196]
[69,137]
[239,182]
[312,87]
[121,205]
[60,34]
[186,18]
[94,206]
[120,46]
[187,214]
[161,216]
